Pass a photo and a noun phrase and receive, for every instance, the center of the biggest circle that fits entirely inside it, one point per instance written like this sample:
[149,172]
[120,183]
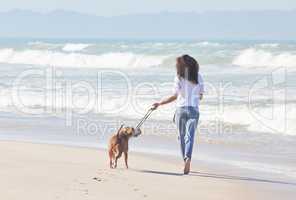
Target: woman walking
[188,91]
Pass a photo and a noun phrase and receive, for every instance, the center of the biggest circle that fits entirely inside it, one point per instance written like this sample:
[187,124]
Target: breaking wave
[71,47]
[269,45]
[260,58]
[60,59]
[206,44]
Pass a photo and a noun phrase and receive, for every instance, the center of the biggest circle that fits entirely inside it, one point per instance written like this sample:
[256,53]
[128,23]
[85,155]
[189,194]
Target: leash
[145,118]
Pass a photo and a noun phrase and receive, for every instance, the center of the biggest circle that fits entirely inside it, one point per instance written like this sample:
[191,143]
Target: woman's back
[188,92]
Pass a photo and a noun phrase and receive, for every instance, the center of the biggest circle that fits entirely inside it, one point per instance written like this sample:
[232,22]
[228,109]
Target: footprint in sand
[137,190]
[97,179]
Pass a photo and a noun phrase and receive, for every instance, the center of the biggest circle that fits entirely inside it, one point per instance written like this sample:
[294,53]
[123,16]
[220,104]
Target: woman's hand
[201,96]
[155,106]
[165,101]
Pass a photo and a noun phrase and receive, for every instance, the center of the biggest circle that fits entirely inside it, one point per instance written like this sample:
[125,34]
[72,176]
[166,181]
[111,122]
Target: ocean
[78,92]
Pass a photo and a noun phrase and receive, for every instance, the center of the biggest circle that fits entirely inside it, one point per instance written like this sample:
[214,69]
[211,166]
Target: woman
[188,91]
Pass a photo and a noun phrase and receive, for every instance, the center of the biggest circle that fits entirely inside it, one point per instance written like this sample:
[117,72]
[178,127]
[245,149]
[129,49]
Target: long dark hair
[187,68]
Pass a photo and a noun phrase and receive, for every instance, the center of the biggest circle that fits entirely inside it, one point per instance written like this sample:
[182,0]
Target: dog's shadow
[218,176]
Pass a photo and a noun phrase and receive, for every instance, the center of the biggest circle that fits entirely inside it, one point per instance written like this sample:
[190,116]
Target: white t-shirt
[188,92]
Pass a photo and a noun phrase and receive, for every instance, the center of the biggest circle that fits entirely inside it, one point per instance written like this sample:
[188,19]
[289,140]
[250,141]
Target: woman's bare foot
[187,166]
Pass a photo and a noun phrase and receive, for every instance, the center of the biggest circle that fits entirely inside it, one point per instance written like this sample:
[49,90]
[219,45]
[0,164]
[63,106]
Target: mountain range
[252,25]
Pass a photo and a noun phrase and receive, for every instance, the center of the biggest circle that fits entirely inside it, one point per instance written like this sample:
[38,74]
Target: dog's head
[127,132]
[137,132]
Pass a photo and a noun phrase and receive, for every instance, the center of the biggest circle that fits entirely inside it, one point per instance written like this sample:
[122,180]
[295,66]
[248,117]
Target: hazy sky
[117,7]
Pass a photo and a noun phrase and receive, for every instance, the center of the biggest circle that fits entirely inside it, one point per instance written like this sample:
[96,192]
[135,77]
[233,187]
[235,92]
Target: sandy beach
[41,171]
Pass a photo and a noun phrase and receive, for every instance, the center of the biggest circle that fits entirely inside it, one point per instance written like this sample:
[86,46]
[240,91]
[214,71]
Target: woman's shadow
[218,176]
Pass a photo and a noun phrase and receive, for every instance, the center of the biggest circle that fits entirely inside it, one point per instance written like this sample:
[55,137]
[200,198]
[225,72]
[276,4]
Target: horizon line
[147,13]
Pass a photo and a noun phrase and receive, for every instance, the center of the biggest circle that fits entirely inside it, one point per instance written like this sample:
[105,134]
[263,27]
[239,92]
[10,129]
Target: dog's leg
[116,159]
[126,159]
[111,163]
[111,155]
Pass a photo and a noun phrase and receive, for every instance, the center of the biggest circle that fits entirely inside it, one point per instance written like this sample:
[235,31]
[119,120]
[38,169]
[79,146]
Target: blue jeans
[186,119]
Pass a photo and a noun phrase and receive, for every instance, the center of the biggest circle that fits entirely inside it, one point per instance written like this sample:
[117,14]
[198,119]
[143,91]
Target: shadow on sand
[218,176]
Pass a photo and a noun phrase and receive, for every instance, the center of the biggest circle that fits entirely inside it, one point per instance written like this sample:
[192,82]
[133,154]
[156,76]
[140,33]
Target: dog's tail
[119,131]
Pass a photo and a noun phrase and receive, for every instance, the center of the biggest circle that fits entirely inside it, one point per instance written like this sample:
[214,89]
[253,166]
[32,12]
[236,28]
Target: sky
[119,7]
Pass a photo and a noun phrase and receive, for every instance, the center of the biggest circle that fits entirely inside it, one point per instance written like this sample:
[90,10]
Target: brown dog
[118,144]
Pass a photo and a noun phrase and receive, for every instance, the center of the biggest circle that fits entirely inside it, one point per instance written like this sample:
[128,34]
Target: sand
[41,171]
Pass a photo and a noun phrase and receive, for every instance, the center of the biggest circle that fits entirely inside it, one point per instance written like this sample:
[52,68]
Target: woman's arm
[165,101]
[201,83]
